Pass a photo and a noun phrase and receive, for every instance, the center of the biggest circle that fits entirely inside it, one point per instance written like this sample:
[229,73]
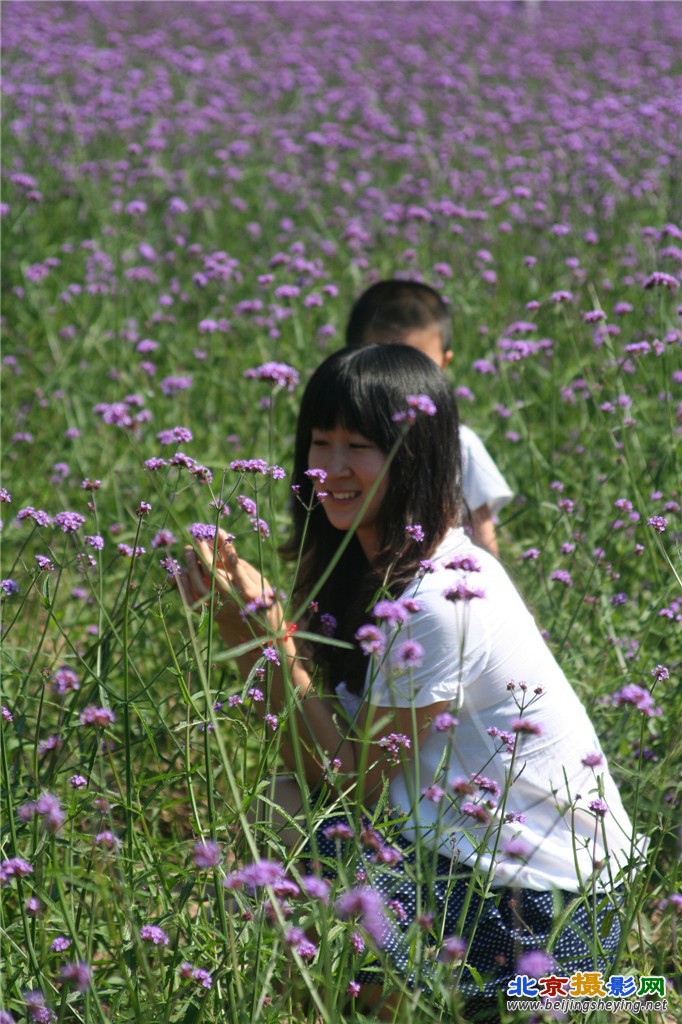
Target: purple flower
[15,867]
[33,909]
[100,717]
[270,654]
[368,906]
[152,933]
[280,374]
[316,474]
[249,466]
[462,592]
[48,807]
[593,759]
[525,726]
[415,532]
[370,639]
[143,509]
[388,854]
[433,793]
[464,563]
[202,977]
[163,539]
[154,464]
[171,385]
[202,531]
[108,840]
[475,811]
[453,950]
[51,743]
[393,743]
[328,624]
[44,563]
[353,989]
[271,721]
[408,654]
[415,404]
[128,552]
[658,523]
[206,854]
[69,522]
[562,576]
[5,496]
[593,316]
[261,872]
[660,673]
[486,785]
[247,505]
[598,807]
[260,526]
[444,721]
[175,435]
[536,964]
[78,782]
[39,517]
[516,848]
[339,830]
[660,279]
[638,697]
[79,973]
[94,541]
[59,944]
[315,887]
[9,586]
[37,1009]
[7,715]
[394,612]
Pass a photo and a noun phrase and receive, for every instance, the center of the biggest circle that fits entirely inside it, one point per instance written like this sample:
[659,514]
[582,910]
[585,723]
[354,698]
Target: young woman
[505,816]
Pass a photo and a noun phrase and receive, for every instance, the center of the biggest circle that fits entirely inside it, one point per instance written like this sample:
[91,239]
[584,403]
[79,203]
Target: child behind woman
[502,812]
[411,313]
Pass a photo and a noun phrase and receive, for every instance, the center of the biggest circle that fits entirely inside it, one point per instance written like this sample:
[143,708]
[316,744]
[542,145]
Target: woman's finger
[189,596]
[198,580]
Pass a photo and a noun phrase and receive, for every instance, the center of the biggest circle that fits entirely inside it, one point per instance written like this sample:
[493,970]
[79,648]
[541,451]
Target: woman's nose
[338,463]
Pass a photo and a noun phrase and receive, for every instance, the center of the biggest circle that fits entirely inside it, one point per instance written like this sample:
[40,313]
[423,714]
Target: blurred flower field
[192,192]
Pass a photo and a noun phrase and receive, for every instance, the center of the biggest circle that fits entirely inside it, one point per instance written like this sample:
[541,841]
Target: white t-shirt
[482,482]
[535,829]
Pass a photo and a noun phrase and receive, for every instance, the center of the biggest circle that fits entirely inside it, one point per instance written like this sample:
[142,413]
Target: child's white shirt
[482,482]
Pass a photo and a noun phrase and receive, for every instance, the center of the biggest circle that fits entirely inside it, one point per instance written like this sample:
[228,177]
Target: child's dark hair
[360,389]
[388,310]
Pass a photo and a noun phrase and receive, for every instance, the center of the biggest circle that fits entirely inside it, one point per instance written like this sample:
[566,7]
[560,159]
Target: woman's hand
[236,585]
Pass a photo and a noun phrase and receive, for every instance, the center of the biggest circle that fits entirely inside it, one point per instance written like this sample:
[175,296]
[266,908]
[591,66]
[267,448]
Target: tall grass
[221,180]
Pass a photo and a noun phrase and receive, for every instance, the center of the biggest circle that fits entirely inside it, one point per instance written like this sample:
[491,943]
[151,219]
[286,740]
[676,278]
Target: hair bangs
[350,391]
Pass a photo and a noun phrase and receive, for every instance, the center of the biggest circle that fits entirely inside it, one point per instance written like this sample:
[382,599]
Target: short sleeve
[442,648]
[483,484]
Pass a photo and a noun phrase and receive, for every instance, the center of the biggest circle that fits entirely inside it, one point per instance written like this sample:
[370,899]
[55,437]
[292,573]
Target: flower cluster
[415,404]
[280,374]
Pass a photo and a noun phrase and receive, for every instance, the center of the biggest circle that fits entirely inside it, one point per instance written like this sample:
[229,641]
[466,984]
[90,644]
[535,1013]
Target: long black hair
[361,390]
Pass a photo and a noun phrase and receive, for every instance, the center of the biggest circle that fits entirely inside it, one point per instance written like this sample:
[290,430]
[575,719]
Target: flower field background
[194,190]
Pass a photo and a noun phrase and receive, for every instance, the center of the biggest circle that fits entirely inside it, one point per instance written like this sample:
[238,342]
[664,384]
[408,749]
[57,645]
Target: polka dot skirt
[506,925]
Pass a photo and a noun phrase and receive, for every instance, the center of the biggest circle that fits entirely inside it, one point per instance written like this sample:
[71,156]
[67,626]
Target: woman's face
[352,464]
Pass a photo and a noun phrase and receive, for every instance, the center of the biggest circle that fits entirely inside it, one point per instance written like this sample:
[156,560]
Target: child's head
[402,313]
[360,389]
